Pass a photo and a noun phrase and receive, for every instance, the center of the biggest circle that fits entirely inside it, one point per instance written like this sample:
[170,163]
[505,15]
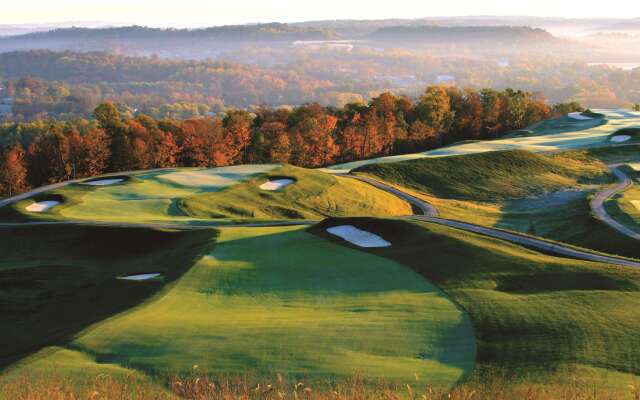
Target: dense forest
[66,85]
[42,152]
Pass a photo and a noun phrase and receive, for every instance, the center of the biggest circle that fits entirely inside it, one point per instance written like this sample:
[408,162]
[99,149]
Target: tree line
[44,152]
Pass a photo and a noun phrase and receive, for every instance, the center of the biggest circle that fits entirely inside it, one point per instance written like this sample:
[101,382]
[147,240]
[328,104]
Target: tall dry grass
[205,387]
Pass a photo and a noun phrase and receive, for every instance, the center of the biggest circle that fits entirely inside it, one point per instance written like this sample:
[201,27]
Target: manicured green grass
[535,316]
[145,196]
[280,300]
[314,195]
[551,135]
[624,207]
[633,132]
[57,280]
[192,196]
[491,176]
[540,195]
[558,125]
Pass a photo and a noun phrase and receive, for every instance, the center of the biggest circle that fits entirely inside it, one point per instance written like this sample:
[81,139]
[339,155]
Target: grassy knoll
[490,176]
[624,207]
[551,135]
[558,125]
[191,196]
[541,195]
[633,132]
[536,317]
[314,195]
[280,300]
[56,281]
[145,196]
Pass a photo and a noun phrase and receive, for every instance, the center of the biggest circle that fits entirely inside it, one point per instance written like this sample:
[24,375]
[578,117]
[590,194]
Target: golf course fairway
[552,135]
[537,317]
[281,300]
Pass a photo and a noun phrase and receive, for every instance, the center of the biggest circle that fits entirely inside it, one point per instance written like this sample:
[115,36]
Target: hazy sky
[207,13]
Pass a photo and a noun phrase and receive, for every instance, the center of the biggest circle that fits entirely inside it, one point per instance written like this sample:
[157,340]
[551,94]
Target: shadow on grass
[56,281]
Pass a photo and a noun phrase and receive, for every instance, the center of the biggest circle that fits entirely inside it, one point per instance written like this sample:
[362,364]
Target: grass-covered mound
[632,132]
[491,176]
[280,300]
[57,280]
[560,125]
[313,195]
[535,316]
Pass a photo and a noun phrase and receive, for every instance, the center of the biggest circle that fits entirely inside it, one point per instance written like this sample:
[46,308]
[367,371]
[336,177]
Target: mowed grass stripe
[538,318]
[280,300]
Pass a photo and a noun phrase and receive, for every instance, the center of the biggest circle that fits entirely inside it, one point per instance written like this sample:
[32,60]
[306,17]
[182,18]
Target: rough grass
[270,300]
[56,281]
[545,196]
[202,386]
[314,195]
[535,316]
[492,176]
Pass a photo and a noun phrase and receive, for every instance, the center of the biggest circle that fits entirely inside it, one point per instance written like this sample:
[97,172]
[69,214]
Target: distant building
[445,79]
[504,63]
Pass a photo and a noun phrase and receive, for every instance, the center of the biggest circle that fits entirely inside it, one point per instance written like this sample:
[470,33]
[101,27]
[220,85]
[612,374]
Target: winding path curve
[427,212]
[597,202]
[430,215]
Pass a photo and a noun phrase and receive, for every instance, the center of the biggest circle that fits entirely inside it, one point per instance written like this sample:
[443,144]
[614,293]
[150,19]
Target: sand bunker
[216,178]
[620,138]
[41,206]
[103,182]
[276,184]
[357,236]
[139,277]
[578,116]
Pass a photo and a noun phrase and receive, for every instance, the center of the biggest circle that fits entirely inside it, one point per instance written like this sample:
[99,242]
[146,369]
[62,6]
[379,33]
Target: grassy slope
[534,315]
[146,196]
[558,125]
[491,176]
[314,195]
[551,135]
[494,189]
[620,206]
[177,196]
[56,281]
[281,300]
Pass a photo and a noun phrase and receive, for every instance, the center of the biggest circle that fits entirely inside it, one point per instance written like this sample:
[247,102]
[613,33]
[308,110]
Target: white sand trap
[620,138]
[103,182]
[357,236]
[41,206]
[276,184]
[634,166]
[578,116]
[636,204]
[140,277]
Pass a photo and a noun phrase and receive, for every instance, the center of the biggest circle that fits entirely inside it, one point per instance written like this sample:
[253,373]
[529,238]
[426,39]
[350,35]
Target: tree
[13,171]
[49,158]
[270,143]
[560,109]
[95,154]
[237,125]
[108,118]
[434,110]
[636,107]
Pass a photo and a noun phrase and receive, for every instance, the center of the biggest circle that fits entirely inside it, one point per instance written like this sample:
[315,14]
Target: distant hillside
[505,35]
[140,40]
[261,32]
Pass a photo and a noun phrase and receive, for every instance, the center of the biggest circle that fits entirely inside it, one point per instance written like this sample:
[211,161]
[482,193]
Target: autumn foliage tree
[310,135]
[13,171]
